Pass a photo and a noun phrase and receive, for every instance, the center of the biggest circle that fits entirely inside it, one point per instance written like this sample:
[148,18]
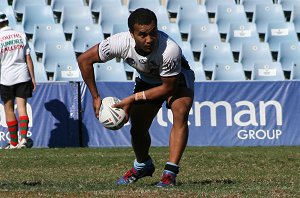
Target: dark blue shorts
[186,79]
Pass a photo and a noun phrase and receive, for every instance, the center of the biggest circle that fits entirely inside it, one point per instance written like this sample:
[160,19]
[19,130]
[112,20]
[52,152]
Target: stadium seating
[66,72]
[197,67]
[58,5]
[287,5]
[10,14]
[253,52]
[127,67]
[73,15]
[215,52]
[227,14]
[289,54]
[240,33]
[280,32]
[39,69]
[150,4]
[107,19]
[249,5]
[45,33]
[119,27]
[274,27]
[86,36]
[161,14]
[19,5]
[202,33]
[36,15]
[172,30]
[58,53]
[110,71]
[212,5]
[265,14]
[174,5]
[230,71]
[3,3]
[190,14]
[95,5]
[295,71]
[295,17]
[187,52]
[267,71]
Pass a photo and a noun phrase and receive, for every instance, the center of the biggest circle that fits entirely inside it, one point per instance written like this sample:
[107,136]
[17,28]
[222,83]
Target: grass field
[205,172]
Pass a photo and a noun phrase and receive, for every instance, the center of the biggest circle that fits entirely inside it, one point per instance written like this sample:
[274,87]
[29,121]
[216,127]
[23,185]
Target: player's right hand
[97,104]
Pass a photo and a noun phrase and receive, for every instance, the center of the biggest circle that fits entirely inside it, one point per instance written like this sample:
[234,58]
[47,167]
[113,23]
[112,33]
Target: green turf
[205,172]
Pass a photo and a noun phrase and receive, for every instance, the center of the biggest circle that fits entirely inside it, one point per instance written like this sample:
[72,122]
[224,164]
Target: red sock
[23,120]
[13,132]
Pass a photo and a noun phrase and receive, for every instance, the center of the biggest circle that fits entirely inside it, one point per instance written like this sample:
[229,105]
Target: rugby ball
[111,118]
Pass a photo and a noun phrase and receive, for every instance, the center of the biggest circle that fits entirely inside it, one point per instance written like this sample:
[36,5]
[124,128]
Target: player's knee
[181,110]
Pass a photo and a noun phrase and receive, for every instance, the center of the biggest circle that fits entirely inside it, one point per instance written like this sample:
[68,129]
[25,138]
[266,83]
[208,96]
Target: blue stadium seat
[67,72]
[10,15]
[211,5]
[289,54]
[86,36]
[58,5]
[253,52]
[295,17]
[110,71]
[190,14]
[127,67]
[287,5]
[161,13]
[150,4]
[107,19]
[201,33]
[95,5]
[267,71]
[3,3]
[73,15]
[280,32]
[39,69]
[295,71]
[172,30]
[215,52]
[249,5]
[230,71]
[36,15]
[227,14]
[265,14]
[187,51]
[197,67]
[58,53]
[240,33]
[45,33]
[19,5]
[119,27]
[174,5]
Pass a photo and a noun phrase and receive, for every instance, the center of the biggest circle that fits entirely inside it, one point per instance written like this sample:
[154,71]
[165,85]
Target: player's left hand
[125,104]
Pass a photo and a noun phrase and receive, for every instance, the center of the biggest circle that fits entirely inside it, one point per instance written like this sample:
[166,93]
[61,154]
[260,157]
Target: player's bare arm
[165,90]
[85,63]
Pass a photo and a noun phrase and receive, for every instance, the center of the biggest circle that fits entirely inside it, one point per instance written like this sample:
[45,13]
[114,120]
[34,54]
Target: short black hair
[141,16]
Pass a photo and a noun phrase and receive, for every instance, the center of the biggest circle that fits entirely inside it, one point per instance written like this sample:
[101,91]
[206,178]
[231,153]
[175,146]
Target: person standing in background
[17,81]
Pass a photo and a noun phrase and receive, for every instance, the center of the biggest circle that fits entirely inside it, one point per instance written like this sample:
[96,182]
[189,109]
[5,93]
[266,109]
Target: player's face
[145,37]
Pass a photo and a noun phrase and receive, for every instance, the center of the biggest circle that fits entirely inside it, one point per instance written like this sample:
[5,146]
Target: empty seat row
[226,14]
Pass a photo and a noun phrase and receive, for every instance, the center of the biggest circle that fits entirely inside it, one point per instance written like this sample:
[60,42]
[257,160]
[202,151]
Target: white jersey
[13,48]
[164,60]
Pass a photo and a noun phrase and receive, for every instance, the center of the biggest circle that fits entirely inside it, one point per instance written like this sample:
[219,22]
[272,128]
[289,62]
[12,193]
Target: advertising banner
[249,113]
